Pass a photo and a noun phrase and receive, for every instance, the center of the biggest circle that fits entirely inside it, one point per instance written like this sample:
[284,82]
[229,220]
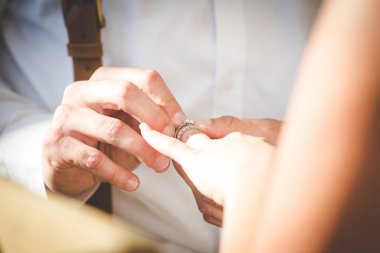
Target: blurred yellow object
[29,223]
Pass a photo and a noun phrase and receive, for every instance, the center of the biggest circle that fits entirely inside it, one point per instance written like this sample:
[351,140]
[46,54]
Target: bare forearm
[330,122]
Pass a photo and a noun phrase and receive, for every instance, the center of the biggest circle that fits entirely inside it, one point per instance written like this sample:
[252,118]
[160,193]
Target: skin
[94,136]
[336,104]
[201,158]
[221,169]
[267,129]
[297,196]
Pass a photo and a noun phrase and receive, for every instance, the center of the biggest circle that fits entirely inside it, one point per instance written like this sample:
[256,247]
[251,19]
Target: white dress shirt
[218,57]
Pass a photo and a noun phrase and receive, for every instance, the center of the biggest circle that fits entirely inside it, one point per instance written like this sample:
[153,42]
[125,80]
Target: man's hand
[268,129]
[94,133]
[211,211]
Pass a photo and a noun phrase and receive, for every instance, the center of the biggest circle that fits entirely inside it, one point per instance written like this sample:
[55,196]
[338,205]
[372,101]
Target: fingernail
[179,118]
[132,184]
[162,162]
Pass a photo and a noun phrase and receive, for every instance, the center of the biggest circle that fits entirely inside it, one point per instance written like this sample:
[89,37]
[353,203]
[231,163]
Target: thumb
[268,129]
[219,127]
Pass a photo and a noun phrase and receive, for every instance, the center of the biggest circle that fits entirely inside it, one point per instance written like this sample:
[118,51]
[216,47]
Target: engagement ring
[184,127]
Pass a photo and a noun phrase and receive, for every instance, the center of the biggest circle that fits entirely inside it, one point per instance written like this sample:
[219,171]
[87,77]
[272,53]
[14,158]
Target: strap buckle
[99,10]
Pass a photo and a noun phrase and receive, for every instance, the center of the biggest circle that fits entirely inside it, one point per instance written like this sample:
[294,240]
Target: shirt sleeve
[22,127]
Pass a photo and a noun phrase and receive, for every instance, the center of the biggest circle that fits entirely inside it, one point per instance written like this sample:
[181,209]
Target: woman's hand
[216,166]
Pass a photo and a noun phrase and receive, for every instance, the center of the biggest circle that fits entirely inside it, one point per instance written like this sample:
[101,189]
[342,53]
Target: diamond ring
[184,127]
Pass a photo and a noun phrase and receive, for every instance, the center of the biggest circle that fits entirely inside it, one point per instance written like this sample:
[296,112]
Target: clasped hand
[94,133]
[94,137]
[213,166]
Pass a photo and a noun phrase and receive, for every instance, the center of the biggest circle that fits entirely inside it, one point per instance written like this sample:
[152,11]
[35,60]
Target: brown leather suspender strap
[84,19]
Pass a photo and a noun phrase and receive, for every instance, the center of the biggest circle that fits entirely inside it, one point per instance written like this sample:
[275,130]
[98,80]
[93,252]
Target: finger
[213,220]
[76,154]
[197,139]
[112,131]
[185,177]
[168,146]
[219,127]
[118,95]
[151,82]
[193,137]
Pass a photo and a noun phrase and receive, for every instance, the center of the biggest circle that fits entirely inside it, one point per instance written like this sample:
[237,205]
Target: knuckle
[72,92]
[61,116]
[51,151]
[100,72]
[114,129]
[230,121]
[101,69]
[127,90]
[151,76]
[62,111]
[92,160]
[62,146]
[69,90]
[54,165]
[51,139]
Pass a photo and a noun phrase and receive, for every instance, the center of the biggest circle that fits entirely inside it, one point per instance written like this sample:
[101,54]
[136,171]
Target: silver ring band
[184,127]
